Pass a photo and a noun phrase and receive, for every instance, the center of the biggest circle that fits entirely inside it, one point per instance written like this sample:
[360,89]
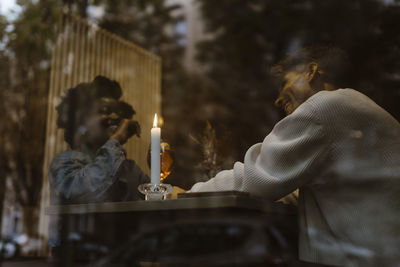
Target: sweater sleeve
[287,159]
[74,177]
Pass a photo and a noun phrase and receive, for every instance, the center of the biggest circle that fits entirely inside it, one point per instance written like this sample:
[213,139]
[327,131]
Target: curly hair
[78,101]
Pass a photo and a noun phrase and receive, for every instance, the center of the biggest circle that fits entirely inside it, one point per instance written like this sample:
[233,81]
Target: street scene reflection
[199,133]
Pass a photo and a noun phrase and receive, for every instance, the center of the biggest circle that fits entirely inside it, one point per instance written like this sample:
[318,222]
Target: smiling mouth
[111,124]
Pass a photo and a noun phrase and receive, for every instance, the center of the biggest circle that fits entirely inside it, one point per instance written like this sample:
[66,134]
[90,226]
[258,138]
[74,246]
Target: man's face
[294,91]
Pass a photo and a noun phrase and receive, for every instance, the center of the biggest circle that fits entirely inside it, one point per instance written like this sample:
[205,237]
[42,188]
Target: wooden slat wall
[83,51]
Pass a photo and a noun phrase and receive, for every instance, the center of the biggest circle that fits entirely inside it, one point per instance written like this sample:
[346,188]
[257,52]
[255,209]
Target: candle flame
[155,121]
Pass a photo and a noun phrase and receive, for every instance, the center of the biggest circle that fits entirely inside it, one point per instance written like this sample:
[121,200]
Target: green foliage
[249,37]
[3,26]
[150,24]
[237,92]
[24,90]
[33,31]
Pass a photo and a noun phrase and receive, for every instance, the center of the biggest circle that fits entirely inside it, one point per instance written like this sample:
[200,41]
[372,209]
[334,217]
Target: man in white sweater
[342,151]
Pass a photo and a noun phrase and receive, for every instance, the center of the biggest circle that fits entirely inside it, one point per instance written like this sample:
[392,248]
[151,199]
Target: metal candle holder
[155,191]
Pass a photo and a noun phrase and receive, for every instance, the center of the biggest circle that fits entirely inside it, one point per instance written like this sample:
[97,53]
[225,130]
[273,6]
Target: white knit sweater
[343,151]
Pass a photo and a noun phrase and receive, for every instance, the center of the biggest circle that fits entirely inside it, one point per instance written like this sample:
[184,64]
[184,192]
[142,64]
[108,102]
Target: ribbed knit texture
[343,151]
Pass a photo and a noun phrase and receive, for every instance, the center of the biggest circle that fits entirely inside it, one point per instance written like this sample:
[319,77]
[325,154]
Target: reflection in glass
[167,158]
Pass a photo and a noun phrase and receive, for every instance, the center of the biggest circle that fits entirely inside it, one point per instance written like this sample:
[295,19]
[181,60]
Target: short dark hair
[332,60]
[79,100]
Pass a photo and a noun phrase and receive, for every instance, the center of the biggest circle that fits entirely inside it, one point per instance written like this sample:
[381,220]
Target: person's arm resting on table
[287,159]
[73,176]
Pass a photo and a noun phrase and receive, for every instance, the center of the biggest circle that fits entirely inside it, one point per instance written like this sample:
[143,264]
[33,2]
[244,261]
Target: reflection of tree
[368,31]
[151,24]
[250,36]
[25,101]
[247,38]
[4,82]
[27,61]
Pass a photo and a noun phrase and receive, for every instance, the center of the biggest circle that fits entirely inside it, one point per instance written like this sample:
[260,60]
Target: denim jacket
[78,177]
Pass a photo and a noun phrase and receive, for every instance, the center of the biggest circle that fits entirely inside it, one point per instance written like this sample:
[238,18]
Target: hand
[175,191]
[290,199]
[126,129]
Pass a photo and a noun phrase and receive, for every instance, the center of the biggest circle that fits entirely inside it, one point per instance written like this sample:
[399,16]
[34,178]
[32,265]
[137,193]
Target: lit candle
[155,152]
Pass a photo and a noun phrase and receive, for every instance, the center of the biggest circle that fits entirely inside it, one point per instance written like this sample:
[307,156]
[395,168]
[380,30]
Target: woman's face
[102,121]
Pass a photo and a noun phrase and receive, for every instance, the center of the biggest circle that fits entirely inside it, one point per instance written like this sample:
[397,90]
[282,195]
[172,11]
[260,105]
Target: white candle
[155,152]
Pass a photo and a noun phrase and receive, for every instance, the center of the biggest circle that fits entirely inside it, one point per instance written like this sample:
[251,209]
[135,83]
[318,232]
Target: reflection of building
[192,29]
